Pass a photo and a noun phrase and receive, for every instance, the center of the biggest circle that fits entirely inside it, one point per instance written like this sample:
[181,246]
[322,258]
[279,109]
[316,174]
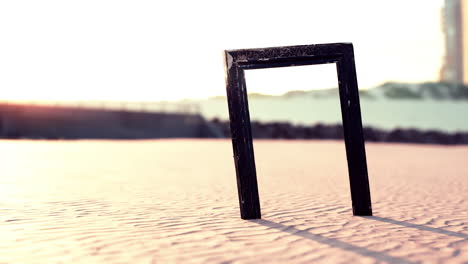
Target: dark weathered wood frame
[236,61]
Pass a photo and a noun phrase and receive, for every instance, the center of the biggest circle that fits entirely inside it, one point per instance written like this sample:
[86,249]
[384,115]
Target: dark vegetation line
[284,130]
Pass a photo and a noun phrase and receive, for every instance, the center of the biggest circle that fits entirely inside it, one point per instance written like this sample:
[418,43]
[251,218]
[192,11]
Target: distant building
[455,28]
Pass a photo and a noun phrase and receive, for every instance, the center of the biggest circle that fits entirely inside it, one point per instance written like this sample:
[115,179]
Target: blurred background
[146,69]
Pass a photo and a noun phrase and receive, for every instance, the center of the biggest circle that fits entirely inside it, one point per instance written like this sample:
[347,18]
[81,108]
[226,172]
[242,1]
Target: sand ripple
[172,201]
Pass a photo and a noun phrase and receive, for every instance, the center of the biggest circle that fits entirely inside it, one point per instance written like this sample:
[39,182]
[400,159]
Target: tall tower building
[453,26]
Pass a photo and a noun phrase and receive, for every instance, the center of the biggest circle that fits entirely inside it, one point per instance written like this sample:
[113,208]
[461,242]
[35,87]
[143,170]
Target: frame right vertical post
[353,133]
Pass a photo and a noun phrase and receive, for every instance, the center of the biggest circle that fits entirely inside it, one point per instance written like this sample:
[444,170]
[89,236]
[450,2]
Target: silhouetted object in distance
[237,61]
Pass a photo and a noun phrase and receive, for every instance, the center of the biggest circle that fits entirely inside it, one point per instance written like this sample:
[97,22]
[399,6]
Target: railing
[161,107]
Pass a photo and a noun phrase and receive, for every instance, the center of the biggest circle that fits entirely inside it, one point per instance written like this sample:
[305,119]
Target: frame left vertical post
[241,133]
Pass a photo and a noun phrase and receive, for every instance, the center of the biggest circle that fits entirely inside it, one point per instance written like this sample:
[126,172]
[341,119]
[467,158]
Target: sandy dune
[174,201]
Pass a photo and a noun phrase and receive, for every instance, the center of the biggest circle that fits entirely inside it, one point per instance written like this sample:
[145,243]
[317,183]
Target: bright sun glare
[152,51]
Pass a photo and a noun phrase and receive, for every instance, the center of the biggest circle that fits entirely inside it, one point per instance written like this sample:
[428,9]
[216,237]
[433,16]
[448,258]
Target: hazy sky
[159,50]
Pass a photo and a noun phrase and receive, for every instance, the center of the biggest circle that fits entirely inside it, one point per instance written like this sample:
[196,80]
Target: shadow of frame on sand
[380,256]
[416,226]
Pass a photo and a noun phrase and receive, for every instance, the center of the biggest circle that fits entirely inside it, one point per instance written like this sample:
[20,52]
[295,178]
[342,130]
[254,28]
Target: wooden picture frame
[237,61]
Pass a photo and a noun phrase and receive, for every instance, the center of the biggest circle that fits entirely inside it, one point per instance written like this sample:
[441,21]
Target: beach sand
[175,201]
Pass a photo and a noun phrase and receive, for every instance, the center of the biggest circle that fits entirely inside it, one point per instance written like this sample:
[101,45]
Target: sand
[175,201]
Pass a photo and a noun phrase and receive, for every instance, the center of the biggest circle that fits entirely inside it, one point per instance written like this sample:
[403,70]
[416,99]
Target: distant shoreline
[68,123]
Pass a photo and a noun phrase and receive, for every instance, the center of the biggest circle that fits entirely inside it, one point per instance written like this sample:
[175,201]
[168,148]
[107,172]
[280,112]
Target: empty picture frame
[237,61]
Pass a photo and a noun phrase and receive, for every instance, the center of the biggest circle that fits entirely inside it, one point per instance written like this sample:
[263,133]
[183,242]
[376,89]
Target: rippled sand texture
[175,201]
